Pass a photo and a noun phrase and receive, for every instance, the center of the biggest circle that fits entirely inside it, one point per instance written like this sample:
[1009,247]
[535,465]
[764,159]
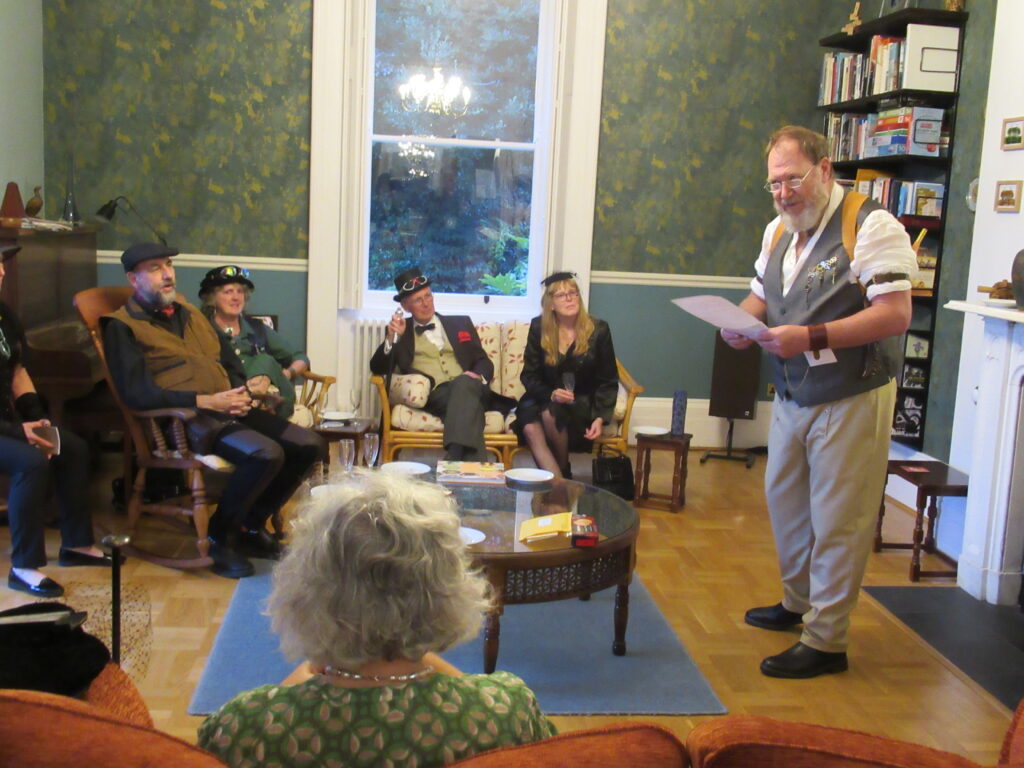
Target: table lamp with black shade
[106,214]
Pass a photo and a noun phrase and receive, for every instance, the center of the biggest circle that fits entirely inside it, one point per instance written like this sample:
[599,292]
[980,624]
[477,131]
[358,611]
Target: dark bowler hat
[229,273]
[140,252]
[409,282]
[7,251]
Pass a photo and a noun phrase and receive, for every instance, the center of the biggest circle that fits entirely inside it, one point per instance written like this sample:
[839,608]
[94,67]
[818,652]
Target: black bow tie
[424,328]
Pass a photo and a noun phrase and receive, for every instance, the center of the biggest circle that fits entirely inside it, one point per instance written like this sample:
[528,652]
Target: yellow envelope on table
[536,528]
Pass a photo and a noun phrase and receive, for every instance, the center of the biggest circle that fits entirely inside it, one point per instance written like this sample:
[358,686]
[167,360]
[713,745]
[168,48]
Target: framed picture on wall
[1012,136]
[1008,196]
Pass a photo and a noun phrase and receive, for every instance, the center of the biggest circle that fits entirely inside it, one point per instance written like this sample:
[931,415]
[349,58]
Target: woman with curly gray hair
[375,582]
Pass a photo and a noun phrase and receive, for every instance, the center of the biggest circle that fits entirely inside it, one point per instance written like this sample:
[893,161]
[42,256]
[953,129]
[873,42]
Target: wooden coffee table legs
[621,619]
[492,631]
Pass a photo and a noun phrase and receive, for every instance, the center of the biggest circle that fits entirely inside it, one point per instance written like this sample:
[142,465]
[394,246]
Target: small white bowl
[529,475]
[652,431]
[405,468]
[336,415]
[471,536]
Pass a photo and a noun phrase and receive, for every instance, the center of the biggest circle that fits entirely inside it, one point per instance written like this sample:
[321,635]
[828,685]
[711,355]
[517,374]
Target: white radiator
[369,333]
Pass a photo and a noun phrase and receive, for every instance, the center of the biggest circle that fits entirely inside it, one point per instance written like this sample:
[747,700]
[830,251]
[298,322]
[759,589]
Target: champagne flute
[347,454]
[355,398]
[371,444]
[569,381]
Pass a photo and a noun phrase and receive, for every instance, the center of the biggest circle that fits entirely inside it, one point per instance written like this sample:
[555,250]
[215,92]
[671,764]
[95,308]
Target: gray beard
[810,217]
[157,299]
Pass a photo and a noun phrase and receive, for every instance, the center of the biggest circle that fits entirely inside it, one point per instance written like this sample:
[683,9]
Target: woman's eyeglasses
[416,281]
[565,295]
[233,272]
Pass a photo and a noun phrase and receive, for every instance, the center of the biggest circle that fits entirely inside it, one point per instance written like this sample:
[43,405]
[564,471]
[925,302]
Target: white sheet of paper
[721,313]
[825,357]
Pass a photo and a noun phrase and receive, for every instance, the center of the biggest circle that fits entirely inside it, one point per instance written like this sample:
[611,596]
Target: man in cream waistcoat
[446,349]
[833,323]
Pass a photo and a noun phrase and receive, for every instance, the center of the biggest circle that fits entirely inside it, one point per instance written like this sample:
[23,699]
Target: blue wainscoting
[663,347]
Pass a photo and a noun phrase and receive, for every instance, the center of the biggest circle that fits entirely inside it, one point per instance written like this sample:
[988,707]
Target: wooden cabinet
[875,126]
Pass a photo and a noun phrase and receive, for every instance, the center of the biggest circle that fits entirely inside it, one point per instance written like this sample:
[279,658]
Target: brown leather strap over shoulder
[852,204]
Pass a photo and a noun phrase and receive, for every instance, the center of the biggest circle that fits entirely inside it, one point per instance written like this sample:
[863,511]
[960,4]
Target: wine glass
[347,454]
[569,381]
[355,398]
[371,444]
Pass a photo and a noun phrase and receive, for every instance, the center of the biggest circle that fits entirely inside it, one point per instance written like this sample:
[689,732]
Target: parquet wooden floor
[704,567]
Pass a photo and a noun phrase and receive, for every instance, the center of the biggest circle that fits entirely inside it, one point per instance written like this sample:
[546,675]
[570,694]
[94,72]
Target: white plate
[471,536]
[528,475]
[405,468]
[336,415]
[652,431]
[1001,302]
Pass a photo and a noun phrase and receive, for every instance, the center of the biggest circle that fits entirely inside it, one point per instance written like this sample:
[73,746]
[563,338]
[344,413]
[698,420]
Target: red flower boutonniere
[464,336]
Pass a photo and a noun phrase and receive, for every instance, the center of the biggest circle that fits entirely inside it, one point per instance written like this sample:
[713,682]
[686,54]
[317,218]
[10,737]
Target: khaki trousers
[823,482]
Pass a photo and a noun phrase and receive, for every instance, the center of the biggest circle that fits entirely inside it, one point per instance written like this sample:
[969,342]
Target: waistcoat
[182,364]
[438,364]
[825,289]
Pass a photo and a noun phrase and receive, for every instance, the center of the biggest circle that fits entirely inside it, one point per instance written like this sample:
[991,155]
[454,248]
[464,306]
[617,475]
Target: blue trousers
[33,479]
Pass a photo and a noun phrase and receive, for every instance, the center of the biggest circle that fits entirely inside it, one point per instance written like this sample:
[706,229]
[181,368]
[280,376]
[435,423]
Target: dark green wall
[196,110]
[956,250]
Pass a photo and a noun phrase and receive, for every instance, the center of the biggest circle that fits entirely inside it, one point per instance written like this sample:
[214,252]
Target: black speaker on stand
[735,378]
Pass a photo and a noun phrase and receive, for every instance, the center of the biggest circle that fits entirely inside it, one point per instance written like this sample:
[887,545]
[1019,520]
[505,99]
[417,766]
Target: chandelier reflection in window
[436,96]
[418,156]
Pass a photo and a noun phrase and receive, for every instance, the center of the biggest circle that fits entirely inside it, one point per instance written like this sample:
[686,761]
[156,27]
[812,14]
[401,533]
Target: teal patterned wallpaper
[196,110]
[692,89]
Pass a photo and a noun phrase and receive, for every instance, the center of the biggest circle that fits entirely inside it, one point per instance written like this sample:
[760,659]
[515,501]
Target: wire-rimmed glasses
[774,187]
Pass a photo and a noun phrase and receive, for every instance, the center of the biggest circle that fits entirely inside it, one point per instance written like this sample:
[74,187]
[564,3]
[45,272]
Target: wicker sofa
[405,425]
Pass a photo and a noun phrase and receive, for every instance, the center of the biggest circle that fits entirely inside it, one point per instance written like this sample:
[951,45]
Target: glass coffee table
[550,569]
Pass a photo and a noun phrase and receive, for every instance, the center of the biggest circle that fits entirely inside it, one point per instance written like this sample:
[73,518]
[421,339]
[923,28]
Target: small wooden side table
[680,446]
[349,429]
[932,480]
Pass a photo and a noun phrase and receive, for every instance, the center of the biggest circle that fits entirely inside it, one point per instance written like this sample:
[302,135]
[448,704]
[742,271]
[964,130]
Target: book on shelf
[927,263]
[928,197]
[931,57]
[470,473]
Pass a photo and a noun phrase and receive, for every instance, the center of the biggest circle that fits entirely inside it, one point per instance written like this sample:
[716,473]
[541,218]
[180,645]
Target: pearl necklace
[344,674]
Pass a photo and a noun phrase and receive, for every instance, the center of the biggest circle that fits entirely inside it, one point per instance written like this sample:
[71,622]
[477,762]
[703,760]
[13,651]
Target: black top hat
[140,252]
[557,277]
[7,251]
[409,282]
[229,273]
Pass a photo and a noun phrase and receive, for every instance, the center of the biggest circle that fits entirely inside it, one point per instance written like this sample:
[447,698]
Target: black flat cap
[140,252]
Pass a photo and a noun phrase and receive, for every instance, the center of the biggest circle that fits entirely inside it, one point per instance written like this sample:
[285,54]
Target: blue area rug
[562,650]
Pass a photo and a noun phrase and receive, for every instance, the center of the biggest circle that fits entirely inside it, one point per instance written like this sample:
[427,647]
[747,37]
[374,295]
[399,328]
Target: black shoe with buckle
[228,561]
[45,588]
[801,661]
[69,558]
[774,617]
[259,543]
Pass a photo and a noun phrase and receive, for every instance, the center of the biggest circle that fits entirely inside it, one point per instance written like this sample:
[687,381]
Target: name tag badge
[821,357]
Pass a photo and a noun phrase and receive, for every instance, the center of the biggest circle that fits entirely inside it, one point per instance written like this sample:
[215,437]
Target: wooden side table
[932,480]
[680,446]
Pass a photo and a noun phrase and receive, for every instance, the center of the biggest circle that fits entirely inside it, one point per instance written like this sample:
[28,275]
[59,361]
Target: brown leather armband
[819,337]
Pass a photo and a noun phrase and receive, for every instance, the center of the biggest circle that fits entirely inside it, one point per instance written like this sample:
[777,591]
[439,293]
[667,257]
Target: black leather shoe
[69,558]
[45,588]
[259,543]
[802,661]
[228,562]
[772,617]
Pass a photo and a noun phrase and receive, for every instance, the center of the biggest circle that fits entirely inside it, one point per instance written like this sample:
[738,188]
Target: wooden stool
[932,480]
[680,446]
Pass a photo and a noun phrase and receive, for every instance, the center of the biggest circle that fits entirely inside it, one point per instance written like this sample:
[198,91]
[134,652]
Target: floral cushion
[411,389]
[513,350]
[415,420]
[490,340]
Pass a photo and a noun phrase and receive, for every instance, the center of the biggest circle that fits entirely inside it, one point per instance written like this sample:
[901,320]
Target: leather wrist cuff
[819,337]
[30,407]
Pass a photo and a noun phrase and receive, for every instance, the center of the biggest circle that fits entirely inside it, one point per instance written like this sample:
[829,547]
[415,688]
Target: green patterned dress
[431,722]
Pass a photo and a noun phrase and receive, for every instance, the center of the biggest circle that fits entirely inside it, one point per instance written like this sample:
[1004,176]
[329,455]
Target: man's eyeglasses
[423,298]
[565,295]
[776,186]
[231,271]
[416,281]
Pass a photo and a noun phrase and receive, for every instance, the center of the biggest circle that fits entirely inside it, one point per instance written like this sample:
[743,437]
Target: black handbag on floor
[615,475]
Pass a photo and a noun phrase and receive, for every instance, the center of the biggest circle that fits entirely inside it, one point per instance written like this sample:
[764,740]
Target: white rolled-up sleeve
[883,248]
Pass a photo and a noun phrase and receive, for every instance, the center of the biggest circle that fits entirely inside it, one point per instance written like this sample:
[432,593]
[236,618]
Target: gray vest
[825,289]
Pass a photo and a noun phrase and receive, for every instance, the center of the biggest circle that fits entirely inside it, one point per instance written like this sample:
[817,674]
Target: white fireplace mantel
[993,547]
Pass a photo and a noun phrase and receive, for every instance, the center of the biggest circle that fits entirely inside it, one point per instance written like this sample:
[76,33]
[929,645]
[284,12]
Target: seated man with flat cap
[165,354]
[446,349]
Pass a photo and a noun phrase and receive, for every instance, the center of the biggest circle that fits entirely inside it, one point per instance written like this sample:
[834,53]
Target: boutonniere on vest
[818,272]
[464,336]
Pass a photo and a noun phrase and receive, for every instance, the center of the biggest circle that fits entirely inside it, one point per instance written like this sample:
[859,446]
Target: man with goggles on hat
[163,353]
[446,349]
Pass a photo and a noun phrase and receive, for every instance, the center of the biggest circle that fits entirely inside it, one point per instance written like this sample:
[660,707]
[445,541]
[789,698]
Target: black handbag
[615,475]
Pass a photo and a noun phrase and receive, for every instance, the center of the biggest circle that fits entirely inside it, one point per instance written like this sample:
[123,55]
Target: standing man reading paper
[833,318]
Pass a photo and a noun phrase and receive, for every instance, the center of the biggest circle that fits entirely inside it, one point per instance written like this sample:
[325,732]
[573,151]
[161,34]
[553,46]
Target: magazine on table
[470,473]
